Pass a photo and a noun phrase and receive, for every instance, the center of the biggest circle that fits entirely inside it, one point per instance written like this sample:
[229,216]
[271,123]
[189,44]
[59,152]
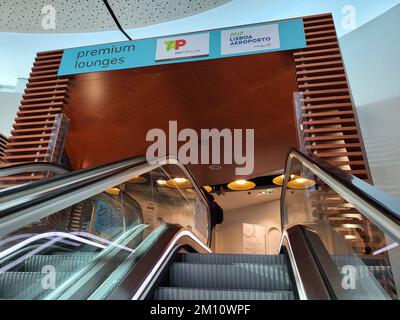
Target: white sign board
[253,239]
[150,214]
[185,46]
[250,39]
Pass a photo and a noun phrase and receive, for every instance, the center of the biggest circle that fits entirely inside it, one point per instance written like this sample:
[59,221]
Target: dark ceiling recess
[261,183]
[116,19]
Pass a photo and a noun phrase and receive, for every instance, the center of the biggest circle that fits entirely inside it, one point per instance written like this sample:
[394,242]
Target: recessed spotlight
[215,167]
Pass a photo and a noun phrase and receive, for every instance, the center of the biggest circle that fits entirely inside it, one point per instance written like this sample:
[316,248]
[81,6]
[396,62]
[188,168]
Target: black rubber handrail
[139,279]
[131,162]
[387,205]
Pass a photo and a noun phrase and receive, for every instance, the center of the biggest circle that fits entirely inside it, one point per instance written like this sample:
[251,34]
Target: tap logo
[183,47]
[174,44]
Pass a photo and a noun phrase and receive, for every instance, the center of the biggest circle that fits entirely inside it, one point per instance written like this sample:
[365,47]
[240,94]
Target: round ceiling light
[161,182]
[241,185]
[179,183]
[138,180]
[279,180]
[113,191]
[300,183]
[208,188]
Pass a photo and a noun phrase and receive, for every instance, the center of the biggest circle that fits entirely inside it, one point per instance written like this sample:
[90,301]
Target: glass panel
[57,139]
[27,174]
[167,196]
[366,257]
[72,252]
[54,149]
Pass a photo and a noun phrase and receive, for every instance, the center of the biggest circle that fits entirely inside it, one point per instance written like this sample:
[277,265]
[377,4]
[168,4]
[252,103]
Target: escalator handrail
[12,201]
[387,206]
[136,284]
[7,170]
[44,197]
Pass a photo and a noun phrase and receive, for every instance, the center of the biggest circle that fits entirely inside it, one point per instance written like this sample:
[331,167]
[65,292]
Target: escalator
[237,277]
[135,230]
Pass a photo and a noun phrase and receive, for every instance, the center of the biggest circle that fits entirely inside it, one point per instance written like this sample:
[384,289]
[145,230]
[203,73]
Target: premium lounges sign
[205,45]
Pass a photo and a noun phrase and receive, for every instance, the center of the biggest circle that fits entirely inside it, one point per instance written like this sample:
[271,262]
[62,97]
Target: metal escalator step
[379,272]
[62,262]
[60,266]
[80,254]
[367,267]
[357,261]
[199,258]
[27,285]
[164,293]
[237,276]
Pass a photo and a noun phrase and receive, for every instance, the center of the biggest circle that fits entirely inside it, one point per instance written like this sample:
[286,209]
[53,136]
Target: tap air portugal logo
[174,44]
[184,47]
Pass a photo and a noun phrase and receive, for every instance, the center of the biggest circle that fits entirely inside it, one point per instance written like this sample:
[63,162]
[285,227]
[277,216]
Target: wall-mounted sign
[250,39]
[253,239]
[205,45]
[106,220]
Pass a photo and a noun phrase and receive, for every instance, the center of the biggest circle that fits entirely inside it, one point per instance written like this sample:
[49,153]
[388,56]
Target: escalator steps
[232,258]
[236,276]
[357,261]
[164,293]
[62,263]
[27,285]
[30,282]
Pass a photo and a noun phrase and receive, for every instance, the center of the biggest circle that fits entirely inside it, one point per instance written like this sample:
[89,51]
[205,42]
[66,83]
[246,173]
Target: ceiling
[92,15]
[111,112]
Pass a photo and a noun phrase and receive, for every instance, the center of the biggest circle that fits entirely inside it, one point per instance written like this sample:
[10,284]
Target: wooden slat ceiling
[111,112]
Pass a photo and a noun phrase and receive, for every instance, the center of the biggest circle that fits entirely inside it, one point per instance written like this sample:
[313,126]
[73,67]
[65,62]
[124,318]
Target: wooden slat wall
[329,122]
[3,145]
[330,127]
[44,98]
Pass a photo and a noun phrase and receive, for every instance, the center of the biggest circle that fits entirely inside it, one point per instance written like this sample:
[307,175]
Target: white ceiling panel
[93,16]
